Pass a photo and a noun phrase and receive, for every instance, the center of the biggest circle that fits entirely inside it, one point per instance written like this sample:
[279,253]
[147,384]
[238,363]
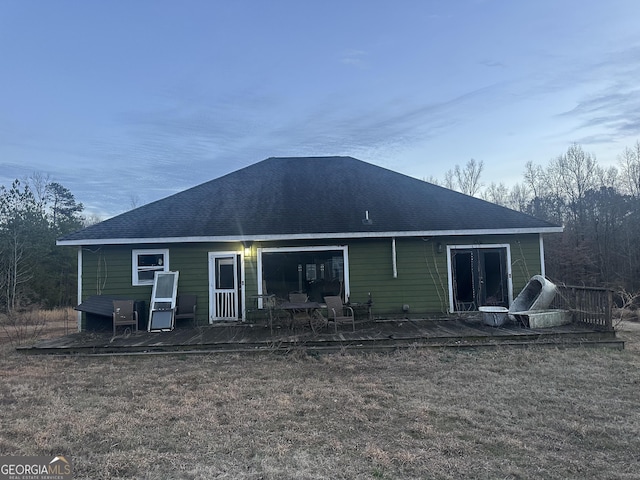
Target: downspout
[542,267]
[394,260]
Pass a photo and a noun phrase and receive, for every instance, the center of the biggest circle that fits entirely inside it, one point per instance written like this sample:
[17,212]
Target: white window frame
[135,281]
[315,248]
[450,248]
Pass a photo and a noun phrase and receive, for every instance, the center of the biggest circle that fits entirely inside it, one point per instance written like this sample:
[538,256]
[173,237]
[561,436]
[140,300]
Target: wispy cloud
[612,105]
[391,124]
[613,111]
[491,63]
[195,138]
[354,58]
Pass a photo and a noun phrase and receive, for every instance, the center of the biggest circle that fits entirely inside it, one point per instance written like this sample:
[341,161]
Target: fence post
[609,311]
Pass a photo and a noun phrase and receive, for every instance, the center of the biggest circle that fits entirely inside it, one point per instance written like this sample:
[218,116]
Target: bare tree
[519,197]
[467,179]
[598,207]
[497,193]
[22,225]
[91,219]
[609,178]
[575,172]
[134,201]
[38,183]
[516,198]
[32,268]
[431,179]
[568,178]
[629,162]
[535,179]
[449,182]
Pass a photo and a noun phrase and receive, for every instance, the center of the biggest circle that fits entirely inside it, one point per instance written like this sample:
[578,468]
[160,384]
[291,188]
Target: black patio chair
[124,314]
[186,308]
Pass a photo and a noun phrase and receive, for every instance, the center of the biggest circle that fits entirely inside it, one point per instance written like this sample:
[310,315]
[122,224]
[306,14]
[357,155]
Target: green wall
[421,280]
[106,270]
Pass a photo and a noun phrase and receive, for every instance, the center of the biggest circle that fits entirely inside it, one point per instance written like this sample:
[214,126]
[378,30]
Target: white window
[314,270]
[146,262]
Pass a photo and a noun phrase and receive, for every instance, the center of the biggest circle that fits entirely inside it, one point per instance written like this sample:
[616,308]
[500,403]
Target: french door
[479,275]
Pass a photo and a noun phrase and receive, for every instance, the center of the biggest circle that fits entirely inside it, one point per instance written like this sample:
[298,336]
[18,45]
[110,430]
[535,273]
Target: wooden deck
[455,332]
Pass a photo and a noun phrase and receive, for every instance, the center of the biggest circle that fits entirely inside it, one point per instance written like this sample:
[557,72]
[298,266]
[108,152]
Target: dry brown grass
[28,326]
[506,413]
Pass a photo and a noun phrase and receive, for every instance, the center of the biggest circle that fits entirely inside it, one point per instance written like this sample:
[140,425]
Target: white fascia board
[309,236]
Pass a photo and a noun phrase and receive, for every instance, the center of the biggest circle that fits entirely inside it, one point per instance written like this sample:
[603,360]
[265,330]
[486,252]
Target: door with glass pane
[223,286]
[480,276]
[163,301]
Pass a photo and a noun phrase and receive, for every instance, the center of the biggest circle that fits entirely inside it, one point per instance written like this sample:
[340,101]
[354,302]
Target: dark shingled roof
[308,197]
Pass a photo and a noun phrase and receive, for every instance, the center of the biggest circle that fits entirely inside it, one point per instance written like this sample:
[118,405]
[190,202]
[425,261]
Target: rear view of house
[318,225]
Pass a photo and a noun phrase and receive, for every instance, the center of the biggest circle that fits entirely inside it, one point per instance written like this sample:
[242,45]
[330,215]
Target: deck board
[445,332]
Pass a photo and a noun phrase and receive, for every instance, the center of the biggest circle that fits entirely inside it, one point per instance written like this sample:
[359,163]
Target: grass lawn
[505,413]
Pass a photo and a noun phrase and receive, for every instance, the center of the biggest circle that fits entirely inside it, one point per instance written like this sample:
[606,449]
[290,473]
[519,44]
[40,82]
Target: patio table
[311,309]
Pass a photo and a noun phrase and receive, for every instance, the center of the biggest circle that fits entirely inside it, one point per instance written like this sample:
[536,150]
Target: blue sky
[131,101]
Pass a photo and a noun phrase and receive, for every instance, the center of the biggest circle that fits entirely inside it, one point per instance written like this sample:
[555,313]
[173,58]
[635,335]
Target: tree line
[33,271]
[598,207]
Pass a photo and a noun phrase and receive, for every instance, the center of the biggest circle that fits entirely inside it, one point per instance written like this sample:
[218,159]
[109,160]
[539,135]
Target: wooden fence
[590,305]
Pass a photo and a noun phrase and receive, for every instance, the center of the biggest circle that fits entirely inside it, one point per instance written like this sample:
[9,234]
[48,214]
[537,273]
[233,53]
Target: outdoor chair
[268,300]
[186,308]
[298,297]
[124,314]
[302,315]
[339,312]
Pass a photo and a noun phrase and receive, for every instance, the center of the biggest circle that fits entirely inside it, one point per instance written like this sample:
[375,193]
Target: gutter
[306,236]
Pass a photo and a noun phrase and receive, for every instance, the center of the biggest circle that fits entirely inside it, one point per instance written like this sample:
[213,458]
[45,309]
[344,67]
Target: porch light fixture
[439,247]
[247,247]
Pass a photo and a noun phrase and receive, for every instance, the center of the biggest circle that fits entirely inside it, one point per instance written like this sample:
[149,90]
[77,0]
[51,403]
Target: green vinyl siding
[525,260]
[422,277]
[416,284]
[106,270]
[421,281]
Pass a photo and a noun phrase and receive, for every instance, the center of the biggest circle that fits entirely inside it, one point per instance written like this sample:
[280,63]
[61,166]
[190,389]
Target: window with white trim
[315,270]
[146,262]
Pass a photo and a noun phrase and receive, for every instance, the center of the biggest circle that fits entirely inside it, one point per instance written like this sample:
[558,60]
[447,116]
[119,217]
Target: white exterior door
[223,286]
[479,275]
